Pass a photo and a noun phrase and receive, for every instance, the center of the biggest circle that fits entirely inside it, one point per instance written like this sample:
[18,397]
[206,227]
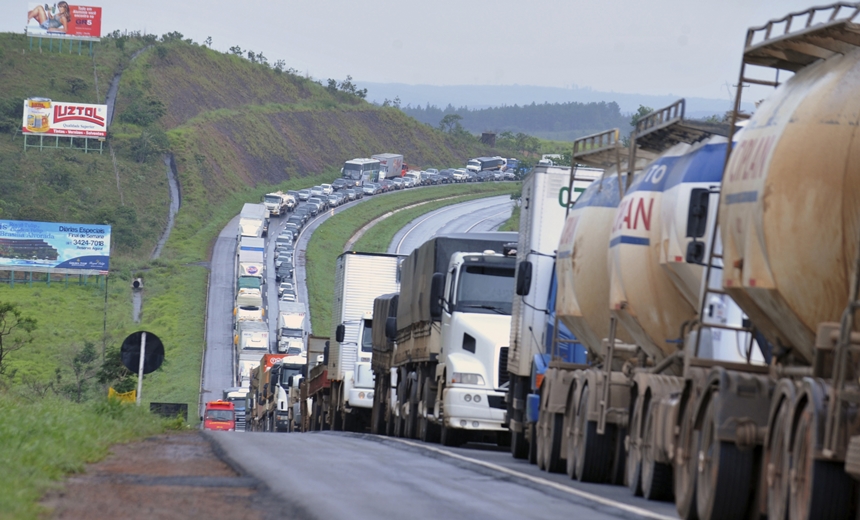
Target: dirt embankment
[164,477]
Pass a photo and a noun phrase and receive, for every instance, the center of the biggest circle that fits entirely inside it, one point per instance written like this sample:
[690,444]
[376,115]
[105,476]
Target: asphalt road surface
[360,476]
[474,216]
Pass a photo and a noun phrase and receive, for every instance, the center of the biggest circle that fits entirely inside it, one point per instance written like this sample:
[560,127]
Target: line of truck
[679,313]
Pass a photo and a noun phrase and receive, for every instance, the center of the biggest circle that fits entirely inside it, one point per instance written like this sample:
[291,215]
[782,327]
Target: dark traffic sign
[153,355]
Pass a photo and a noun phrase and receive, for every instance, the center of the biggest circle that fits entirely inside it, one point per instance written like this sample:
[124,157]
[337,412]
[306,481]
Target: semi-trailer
[390,165]
[342,386]
[253,221]
[251,341]
[544,201]
[251,260]
[262,394]
[292,327]
[448,370]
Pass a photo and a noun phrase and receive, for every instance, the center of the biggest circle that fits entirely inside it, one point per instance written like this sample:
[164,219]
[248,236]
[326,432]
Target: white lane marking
[485,219]
[433,214]
[537,480]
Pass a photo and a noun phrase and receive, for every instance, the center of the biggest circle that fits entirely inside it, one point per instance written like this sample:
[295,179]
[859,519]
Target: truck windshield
[293,333]
[272,199]
[367,336]
[219,415]
[485,288]
[287,373]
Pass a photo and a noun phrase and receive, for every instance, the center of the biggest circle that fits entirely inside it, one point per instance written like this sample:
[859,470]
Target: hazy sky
[682,47]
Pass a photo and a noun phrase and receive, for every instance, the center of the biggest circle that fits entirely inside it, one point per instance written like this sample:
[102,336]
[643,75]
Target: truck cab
[474,303]
[358,383]
[220,415]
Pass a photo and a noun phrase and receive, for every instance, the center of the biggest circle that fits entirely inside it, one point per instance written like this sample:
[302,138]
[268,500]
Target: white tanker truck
[720,373]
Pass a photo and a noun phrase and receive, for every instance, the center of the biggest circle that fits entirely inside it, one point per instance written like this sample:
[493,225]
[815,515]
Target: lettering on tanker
[748,160]
[633,211]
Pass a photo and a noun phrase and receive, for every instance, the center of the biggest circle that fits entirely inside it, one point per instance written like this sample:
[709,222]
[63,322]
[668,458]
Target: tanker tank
[790,210]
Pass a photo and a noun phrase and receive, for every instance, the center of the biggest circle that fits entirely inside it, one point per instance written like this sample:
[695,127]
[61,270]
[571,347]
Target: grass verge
[46,439]
[329,239]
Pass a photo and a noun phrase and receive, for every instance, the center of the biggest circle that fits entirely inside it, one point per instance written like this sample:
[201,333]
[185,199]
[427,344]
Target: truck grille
[240,421]
[503,366]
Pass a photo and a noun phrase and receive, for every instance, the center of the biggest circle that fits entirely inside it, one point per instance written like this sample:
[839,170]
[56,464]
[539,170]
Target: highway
[376,476]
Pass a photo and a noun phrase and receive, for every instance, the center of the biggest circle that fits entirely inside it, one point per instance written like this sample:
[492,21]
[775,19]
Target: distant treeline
[558,121]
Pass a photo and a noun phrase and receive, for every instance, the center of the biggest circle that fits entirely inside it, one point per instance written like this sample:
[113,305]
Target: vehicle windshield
[474,162]
[293,333]
[219,415]
[273,199]
[352,171]
[485,288]
[287,373]
[367,336]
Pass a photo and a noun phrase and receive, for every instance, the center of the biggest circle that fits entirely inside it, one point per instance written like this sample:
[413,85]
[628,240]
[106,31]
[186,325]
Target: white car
[288,297]
[327,189]
[285,287]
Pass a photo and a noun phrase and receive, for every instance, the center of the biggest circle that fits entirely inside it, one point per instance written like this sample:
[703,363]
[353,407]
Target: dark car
[446,176]
[387,185]
[486,175]
[342,197]
[398,183]
[432,179]
[339,184]
[297,220]
[294,193]
[284,272]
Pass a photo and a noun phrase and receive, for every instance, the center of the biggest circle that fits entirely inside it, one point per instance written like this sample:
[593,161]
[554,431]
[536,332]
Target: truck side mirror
[340,333]
[524,278]
[391,328]
[697,215]
[325,354]
[290,381]
[437,286]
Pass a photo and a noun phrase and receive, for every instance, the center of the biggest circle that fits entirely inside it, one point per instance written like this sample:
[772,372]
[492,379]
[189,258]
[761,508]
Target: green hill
[235,129]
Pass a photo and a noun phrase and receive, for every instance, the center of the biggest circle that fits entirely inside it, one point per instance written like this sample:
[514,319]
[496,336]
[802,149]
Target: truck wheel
[594,452]
[347,421]
[820,489]
[656,476]
[519,444]
[532,443]
[686,464]
[633,468]
[570,441]
[541,429]
[725,472]
[315,416]
[777,463]
[555,462]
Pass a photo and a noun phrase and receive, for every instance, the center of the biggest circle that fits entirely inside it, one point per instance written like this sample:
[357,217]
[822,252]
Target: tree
[83,363]
[237,50]
[639,114]
[113,372]
[208,41]
[332,86]
[75,85]
[15,331]
[280,65]
[450,123]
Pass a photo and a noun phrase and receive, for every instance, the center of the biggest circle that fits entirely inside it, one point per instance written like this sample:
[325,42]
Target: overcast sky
[681,47]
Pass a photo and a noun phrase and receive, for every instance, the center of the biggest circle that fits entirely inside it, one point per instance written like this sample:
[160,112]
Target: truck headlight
[467,379]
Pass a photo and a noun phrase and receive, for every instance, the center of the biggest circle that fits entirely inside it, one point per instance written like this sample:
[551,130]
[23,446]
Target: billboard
[46,117]
[63,19]
[54,246]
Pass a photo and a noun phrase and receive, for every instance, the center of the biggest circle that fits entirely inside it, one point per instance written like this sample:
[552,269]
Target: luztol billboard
[46,117]
[54,246]
[60,19]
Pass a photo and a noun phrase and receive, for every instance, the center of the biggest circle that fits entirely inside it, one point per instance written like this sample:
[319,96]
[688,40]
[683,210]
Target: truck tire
[656,476]
[532,443]
[633,468]
[820,489]
[594,452]
[519,444]
[725,472]
[541,430]
[686,464]
[777,463]
[570,440]
[555,462]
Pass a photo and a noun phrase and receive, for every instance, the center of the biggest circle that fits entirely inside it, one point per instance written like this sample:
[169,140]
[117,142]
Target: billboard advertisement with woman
[61,18]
